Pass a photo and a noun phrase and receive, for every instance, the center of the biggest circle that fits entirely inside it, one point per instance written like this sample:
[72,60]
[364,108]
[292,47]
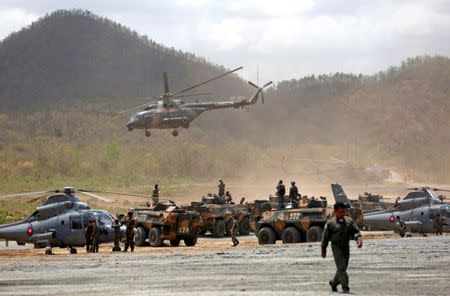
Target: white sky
[285,38]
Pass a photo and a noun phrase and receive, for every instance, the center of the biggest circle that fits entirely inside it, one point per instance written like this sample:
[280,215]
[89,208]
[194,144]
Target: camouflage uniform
[281,191]
[234,231]
[116,227]
[88,236]
[402,226]
[438,224]
[95,238]
[339,233]
[293,194]
[221,188]
[155,195]
[130,223]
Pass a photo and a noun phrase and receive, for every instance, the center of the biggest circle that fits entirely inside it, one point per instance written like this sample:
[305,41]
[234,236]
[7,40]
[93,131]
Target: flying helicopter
[171,112]
[418,209]
[60,221]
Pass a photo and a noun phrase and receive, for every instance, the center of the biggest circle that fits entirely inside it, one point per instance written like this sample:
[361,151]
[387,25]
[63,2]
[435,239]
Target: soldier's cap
[280,182]
[116,221]
[292,182]
[130,213]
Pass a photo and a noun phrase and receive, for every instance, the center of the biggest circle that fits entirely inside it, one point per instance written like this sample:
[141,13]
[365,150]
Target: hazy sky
[285,38]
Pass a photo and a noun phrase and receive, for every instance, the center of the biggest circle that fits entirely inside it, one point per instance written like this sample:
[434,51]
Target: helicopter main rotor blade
[196,94]
[114,192]
[204,82]
[96,196]
[24,194]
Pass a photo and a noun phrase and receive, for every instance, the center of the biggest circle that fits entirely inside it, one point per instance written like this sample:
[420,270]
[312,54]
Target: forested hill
[78,55]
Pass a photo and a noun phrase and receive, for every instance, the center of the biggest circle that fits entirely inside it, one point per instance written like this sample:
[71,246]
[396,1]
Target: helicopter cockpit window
[75,222]
[104,219]
[415,194]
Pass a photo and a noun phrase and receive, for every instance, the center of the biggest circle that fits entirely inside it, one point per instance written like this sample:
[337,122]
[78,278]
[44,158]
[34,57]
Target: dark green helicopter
[170,112]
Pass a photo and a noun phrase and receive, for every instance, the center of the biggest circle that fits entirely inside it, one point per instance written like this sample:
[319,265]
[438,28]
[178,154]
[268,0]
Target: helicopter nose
[19,231]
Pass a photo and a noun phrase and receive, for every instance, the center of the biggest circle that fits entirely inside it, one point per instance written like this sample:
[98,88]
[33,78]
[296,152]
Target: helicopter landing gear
[72,250]
[175,133]
[49,251]
[147,133]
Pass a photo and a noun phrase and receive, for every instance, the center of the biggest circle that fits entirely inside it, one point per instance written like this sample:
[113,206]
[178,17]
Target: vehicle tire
[190,241]
[154,237]
[219,229]
[175,242]
[314,234]
[140,237]
[229,224]
[244,226]
[291,235]
[267,236]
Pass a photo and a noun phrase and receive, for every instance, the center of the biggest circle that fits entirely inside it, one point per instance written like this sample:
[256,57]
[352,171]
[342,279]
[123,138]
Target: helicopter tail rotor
[259,91]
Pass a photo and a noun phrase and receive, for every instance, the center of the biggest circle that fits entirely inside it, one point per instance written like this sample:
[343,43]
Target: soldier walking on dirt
[281,191]
[221,188]
[402,226]
[130,223]
[234,231]
[95,237]
[339,230]
[438,224]
[116,227]
[155,195]
[293,195]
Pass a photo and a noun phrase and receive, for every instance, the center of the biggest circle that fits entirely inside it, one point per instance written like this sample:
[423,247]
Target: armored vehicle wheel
[290,236]
[154,237]
[175,242]
[140,237]
[267,236]
[190,241]
[314,234]
[219,229]
[244,226]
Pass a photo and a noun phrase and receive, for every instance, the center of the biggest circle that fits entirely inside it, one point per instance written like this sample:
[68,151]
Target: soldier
[438,224]
[155,195]
[293,195]
[402,226]
[228,198]
[116,227]
[88,236]
[340,230]
[281,191]
[221,188]
[234,231]
[95,237]
[129,233]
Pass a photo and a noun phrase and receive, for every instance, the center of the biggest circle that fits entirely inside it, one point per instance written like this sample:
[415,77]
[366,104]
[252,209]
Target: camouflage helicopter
[170,112]
[59,222]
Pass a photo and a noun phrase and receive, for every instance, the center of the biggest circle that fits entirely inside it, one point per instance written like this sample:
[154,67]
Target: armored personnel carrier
[294,225]
[217,215]
[166,221]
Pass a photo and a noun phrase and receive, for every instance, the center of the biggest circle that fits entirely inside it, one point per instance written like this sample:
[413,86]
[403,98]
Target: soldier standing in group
[438,224]
[294,196]
[221,188]
[228,198]
[116,227]
[155,195]
[95,238]
[234,230]
[339,230]
[281,191]
[88,236]
[402,226]
[129,233]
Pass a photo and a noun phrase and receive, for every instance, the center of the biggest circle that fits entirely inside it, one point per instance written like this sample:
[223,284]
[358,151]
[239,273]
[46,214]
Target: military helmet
[293,182]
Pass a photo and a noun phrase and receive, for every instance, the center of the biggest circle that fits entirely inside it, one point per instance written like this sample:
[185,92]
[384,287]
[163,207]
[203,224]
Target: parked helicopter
[170,112]
[59,222]
[418,209]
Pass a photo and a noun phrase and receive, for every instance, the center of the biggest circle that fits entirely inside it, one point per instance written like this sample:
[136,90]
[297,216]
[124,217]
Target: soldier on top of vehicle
[221,188]
[155,194]
[281,191]
[293,195]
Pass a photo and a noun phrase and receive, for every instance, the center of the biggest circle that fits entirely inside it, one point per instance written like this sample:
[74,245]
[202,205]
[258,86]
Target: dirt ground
[386,265]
